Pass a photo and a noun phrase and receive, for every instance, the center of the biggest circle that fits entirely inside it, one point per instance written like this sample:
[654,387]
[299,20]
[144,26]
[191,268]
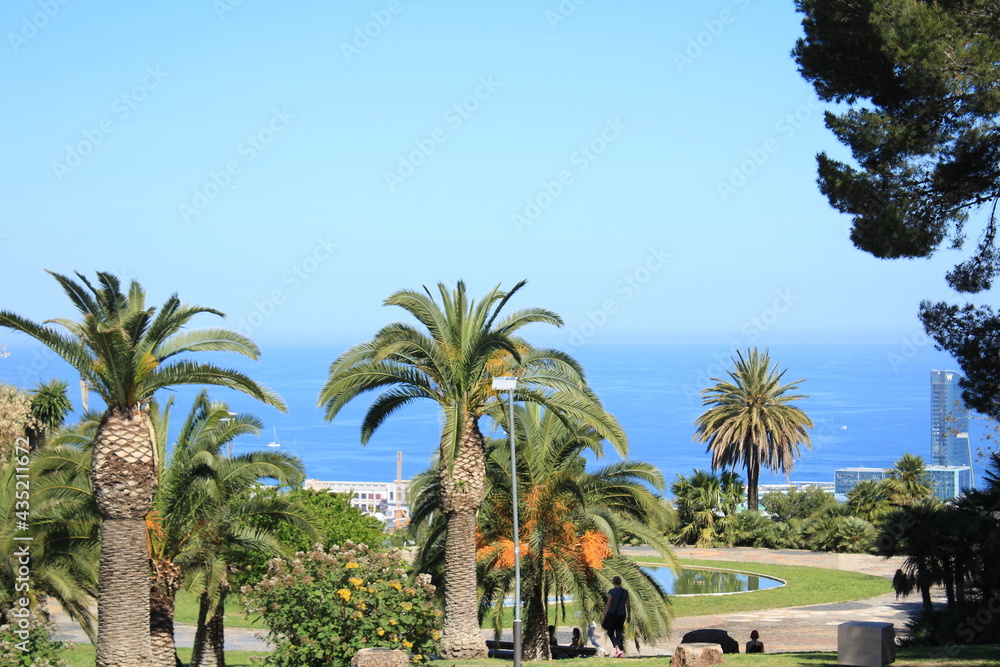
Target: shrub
[323,606]
[34,650]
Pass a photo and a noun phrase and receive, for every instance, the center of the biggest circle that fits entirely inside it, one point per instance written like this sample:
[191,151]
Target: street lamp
[509,384]
[229,443]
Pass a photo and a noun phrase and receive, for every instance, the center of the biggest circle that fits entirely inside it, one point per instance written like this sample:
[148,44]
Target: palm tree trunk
[201,632]
[123,623]
[123,473]
[461,495]
[535,645]
[753,478]
[162,597]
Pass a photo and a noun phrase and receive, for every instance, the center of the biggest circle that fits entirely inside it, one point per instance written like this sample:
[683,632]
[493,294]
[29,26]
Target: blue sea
[870,404]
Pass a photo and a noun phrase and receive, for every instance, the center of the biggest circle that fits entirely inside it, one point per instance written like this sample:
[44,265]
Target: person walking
[616,613]
[592,636]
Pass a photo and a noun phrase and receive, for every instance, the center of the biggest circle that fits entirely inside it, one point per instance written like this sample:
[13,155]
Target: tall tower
[950,445]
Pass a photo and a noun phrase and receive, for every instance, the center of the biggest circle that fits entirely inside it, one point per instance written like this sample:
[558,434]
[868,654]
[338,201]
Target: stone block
[380,657]
[866,644]
[712,636]
[697,654]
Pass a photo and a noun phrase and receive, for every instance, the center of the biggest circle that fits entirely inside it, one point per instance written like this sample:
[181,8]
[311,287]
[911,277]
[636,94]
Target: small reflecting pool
[706,581]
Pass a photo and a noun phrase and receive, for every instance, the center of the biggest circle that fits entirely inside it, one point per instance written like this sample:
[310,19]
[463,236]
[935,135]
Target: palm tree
[574,523]
[64,526]
[869,500]
[451,358]
[706,506]
[750,421]
[49,406]
[908,481]
[127,352]
[200,512]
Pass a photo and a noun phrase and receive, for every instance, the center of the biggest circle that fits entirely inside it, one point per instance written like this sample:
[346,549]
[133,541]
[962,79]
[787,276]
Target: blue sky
[649,167]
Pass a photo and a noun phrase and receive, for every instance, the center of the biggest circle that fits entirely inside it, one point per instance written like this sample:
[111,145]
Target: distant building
[798,486]
[845,479]
[375,498]
[947,481]
[950,445]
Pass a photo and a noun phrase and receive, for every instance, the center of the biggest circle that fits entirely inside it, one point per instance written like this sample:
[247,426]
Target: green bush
[324,606]
[27,642]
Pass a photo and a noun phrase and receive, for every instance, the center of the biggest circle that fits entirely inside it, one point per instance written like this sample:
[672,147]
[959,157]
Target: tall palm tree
[451,358]
[200,511]
[126,352]
[574,522]
[908,482]
[750,422]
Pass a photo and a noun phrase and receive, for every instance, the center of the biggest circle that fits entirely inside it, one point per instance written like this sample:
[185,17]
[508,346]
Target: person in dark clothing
[755,645]
[616,613]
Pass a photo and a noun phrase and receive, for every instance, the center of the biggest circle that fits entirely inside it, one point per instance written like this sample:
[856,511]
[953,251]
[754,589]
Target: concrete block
[866,644]
[696,654]
[380,657]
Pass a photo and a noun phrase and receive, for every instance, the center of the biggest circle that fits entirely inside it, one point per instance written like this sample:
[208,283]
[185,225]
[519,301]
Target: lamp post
[229,443]
[509,384]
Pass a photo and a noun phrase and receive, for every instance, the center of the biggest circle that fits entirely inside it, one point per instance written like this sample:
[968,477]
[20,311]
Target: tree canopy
[920,95]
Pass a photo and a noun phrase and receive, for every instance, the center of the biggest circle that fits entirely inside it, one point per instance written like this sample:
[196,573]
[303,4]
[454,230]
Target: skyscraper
[950,445]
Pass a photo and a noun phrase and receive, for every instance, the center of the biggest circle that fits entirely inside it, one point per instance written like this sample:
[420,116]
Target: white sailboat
[275,442]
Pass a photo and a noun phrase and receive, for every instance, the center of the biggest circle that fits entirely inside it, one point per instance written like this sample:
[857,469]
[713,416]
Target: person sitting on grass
[755,645]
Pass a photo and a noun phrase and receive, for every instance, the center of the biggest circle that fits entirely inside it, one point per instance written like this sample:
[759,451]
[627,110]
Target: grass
[805,586]
[83,655]
[186,612]
[965,656]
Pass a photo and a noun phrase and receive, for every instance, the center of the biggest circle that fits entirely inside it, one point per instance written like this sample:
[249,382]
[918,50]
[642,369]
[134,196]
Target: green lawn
[186,611]
[967,656]
[82,655]
[806,586]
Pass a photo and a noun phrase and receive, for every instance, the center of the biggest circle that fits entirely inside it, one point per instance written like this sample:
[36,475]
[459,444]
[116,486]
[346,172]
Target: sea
[869,403]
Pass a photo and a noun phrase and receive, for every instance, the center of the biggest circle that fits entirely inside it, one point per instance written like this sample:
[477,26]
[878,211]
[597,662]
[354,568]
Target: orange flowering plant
[323,606]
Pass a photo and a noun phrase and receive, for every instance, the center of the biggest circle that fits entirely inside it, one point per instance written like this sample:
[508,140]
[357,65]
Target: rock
[380,657]
[720,637]
[697,654]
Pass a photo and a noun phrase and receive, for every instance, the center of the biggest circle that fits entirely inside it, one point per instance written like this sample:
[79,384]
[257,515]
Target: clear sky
[649,167]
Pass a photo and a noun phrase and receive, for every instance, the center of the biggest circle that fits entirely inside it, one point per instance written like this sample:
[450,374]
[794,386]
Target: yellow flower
[395,584]
[407,606]
[392,621]
[435,635]
[354,581]
[352,566]
[407,644]
[344,593]
[381,632]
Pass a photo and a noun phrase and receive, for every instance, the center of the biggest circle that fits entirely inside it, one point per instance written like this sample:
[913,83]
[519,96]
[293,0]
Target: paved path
[810,628]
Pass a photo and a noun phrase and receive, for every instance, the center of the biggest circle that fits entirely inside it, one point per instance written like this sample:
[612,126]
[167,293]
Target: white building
[375,498]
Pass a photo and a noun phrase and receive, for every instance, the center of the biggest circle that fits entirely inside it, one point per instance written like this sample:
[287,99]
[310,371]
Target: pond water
[698,581]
